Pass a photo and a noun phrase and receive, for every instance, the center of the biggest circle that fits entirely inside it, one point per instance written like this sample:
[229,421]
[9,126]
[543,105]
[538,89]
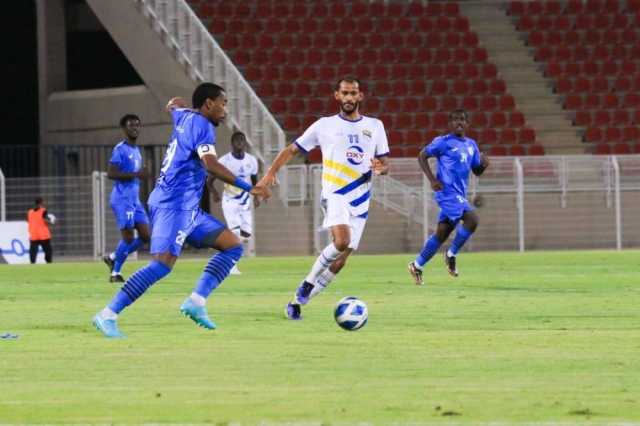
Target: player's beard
[356,106]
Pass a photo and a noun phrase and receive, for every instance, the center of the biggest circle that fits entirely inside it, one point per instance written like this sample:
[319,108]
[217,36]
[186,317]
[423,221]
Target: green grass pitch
[540,337]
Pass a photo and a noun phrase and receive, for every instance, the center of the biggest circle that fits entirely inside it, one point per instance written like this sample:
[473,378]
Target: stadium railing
[195,47]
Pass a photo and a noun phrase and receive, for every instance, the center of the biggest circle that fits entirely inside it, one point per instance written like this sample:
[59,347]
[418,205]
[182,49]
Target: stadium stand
[418,63]
[590,49]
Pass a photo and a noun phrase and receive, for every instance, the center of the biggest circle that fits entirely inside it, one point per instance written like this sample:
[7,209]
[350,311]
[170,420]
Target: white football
[351,313]
[52,218]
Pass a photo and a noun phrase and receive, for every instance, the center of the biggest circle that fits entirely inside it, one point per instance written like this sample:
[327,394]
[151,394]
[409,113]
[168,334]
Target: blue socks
[462,235]
[217,270]
[430,248]
[123,250]
[137,284]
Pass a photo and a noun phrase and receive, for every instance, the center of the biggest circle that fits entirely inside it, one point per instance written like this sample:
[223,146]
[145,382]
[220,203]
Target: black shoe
[415,273]
[450,261]
[116,278]
[107,260]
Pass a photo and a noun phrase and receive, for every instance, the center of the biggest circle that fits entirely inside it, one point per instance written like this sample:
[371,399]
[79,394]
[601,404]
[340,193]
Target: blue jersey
[456,157]
[128,159]
[182,177]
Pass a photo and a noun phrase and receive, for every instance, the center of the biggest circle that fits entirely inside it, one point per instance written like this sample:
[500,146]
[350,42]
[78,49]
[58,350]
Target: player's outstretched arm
[283,157]
[380,166]
[423,159]
[212,188]
[484,163]
[174,103]
[218,170]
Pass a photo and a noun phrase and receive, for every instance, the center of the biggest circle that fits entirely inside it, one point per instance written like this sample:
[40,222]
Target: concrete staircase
[525,81]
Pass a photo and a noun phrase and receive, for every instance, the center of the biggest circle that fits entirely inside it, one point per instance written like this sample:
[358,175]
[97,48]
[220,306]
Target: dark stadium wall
[19,118]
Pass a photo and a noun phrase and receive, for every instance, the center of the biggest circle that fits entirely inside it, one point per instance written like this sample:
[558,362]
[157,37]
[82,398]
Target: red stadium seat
[422,120]
[489,71]
[418,87]
[489,136]
[440,120]
[429,104]
[516,8]
[452,71]
[470,103]
[479,87]
[434,72]
[497,119]
[610,101]
[460,87]
[498,151]
[470,71]
[621,149]
[488,103]
[526,136]
[507,136]
[621,118]
[630,134]
[572,101]
[591,101]
[451,9]
[601,118]
[439,87]
[470,39]
[434,8]
[404,121]
[602,149]
[536,150]
[517,151]
[497,86]
[478,120]
[573,7]
[612,134]
[507,103]
[461,55]
[583,118]
[516,119]
[593,134]
[415,9]
[622,84]
[448,103]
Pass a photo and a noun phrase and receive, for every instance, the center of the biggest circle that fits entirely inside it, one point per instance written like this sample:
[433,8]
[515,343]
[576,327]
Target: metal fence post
[425,206]
[97,203]
[520,202]
[616,179]
[3,198]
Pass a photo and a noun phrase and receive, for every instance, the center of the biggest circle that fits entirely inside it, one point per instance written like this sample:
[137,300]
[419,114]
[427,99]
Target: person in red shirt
[39,233]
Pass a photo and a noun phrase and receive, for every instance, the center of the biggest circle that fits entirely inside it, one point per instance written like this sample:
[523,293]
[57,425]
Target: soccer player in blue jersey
[125,168]
[176,217]
[457,155]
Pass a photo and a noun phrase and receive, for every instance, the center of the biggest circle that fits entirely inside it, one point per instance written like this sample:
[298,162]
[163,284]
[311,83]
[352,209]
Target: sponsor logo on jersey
[367,133]
[355,155]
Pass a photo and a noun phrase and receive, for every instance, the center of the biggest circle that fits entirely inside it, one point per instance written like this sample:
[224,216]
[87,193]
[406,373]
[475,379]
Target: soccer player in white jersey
[236,202]
[354,148]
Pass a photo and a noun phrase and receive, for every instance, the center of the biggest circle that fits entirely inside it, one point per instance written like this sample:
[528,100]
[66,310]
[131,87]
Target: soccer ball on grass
[351,313]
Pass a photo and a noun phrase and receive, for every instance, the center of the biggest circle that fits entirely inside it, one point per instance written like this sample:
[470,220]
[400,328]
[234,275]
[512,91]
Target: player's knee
[341,244]
[235,252]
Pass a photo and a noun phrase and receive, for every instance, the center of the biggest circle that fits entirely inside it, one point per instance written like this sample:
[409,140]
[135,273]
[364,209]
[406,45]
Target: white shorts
[238,216]
[337,212]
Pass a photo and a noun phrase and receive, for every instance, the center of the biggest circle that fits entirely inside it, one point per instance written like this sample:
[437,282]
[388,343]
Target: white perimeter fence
[524,203]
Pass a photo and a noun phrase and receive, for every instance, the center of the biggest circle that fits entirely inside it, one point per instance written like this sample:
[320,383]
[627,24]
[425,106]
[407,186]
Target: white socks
[197,299]
[322,282]
[449,254]
[322,263]
[108,314]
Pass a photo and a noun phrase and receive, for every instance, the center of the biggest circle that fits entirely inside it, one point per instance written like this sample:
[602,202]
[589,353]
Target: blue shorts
[452,208]
[171,228]
[128,215]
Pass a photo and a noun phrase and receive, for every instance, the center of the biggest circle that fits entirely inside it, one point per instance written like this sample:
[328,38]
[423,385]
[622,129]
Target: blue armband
[242,184]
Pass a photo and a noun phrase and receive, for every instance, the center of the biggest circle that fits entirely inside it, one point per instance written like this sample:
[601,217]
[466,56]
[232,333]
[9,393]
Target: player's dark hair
[203,92]
[459,111]
[127,117]
[237,134]
[39,201]
[348,79]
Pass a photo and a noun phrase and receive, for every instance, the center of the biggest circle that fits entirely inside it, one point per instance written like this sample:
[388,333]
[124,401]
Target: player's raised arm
[174,103]
[283,157]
